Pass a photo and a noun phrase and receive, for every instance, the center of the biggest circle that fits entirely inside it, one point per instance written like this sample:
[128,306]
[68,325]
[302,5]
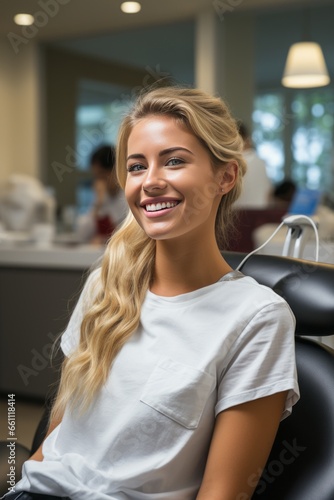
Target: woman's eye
[174,161]
[135,168]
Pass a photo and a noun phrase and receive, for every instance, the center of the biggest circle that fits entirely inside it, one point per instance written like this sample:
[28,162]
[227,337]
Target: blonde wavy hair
[128,262]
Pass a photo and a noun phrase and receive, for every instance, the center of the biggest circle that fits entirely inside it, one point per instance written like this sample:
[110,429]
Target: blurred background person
[256,184]
[282,194]
[109,207]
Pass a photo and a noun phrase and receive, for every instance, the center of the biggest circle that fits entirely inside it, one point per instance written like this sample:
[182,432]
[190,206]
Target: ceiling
[66,19]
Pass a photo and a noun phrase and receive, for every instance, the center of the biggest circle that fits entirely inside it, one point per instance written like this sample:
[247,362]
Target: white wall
[20,115]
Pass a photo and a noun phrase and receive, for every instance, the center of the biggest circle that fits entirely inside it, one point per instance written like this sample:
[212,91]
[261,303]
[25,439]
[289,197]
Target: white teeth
[153,207]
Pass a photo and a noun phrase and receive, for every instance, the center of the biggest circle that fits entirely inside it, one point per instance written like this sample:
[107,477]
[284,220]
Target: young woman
[178,369]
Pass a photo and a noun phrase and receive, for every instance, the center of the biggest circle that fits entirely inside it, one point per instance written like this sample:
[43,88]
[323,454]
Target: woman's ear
[228,176]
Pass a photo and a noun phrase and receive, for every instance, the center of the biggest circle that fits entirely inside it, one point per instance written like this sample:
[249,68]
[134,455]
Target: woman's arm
[240,446]
[38,455]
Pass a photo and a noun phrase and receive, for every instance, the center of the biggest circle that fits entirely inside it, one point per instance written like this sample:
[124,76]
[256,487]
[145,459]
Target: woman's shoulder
[247,292]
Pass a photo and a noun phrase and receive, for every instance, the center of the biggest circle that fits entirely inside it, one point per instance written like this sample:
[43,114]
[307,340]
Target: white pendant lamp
[130,7]
[305,66]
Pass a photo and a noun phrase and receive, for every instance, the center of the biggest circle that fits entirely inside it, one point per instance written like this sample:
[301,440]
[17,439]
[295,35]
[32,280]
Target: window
[312,138]
[268,133]
[293,132]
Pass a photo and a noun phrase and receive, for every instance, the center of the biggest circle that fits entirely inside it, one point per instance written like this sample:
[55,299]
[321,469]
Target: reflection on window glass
[84,196]
[99,113]
[268,133]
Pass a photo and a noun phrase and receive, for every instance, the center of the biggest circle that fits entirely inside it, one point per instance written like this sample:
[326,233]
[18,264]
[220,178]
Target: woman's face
[170,187]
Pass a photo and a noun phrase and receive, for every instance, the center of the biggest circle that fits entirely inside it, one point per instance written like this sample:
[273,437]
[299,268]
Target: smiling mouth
[157,207]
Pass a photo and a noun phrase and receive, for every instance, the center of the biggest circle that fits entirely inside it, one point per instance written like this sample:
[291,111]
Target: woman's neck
[181,268]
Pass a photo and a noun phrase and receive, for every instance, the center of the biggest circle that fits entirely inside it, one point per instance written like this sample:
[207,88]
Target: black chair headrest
[307,286]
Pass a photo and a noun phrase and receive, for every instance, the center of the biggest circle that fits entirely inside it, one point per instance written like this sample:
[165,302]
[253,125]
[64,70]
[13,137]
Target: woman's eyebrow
[172,150]
[135,155]
[161,153]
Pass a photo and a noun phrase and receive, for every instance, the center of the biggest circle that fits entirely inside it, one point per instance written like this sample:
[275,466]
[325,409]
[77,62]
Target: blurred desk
[51,257]
[38,290]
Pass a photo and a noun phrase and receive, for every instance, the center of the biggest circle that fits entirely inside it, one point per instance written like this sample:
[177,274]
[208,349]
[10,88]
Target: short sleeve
[71,336]
[262,361]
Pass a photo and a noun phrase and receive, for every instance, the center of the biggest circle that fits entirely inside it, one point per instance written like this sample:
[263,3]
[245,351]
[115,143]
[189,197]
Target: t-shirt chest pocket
[178,391]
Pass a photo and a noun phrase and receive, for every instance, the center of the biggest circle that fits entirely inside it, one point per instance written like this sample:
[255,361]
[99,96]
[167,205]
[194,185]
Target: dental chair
[301,463]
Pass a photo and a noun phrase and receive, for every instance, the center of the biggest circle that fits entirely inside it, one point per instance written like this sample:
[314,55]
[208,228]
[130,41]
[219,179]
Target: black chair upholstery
[301,463]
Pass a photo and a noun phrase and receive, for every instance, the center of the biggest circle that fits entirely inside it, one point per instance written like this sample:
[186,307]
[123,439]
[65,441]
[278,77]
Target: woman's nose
[154,179]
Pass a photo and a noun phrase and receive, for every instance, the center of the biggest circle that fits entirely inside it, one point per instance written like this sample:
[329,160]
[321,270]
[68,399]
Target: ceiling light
[24,19]
[305,66]
[130,7]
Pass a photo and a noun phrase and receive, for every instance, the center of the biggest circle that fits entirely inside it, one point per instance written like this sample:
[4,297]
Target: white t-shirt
[147,434]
